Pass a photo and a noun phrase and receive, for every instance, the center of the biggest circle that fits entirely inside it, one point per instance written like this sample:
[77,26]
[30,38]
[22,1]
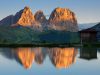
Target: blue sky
[86,11]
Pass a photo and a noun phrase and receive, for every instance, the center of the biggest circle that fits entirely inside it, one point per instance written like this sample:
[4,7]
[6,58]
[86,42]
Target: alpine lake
[50,60]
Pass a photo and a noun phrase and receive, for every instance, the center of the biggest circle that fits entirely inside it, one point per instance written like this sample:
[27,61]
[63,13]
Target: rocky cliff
[23,18]
[63,19]
[40,17]
[26,18]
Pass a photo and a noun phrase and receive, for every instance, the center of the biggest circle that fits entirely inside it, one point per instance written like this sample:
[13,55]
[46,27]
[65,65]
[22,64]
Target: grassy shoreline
[52,45]
[38,45]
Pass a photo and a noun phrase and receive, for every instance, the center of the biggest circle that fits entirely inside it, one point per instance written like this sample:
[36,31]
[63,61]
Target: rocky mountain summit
[40,17]
[63,19]
[26,18]
[60,19]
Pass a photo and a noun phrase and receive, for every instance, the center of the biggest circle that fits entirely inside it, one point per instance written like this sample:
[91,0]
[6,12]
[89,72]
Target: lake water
[49,61]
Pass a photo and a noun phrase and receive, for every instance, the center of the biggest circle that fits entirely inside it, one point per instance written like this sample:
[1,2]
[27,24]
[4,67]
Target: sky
[87,11]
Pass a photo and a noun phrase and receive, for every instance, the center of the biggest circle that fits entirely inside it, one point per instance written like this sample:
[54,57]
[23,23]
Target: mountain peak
[59,9]
[27,8]
[62,13]
[26,18]
[63,19]
[40,17]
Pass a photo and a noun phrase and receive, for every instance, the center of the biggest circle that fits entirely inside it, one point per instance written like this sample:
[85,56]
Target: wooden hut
[88,35]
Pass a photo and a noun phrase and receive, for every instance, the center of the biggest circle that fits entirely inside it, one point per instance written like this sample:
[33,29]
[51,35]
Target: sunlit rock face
[26,56]
[27,18]
[62,57]
[63,19]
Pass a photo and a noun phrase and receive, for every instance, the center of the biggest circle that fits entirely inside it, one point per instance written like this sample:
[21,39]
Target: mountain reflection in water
[62,57]
[59,57]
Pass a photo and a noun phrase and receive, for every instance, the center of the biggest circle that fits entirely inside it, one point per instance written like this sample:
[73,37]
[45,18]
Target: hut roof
[89,30]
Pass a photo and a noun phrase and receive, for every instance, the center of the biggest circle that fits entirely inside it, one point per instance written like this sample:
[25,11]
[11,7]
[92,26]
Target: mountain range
[34,29]
[61,19]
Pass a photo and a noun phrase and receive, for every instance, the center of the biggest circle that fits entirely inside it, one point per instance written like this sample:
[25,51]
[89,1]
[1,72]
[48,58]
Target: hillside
[25,35]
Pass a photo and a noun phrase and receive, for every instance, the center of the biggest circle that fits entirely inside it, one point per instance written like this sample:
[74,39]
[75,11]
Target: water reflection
[26,56]
[88,53]
[62,57]
[59,57]
[40,55]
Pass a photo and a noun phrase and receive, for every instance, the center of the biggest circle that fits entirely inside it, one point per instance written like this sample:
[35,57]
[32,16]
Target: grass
[25,36]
